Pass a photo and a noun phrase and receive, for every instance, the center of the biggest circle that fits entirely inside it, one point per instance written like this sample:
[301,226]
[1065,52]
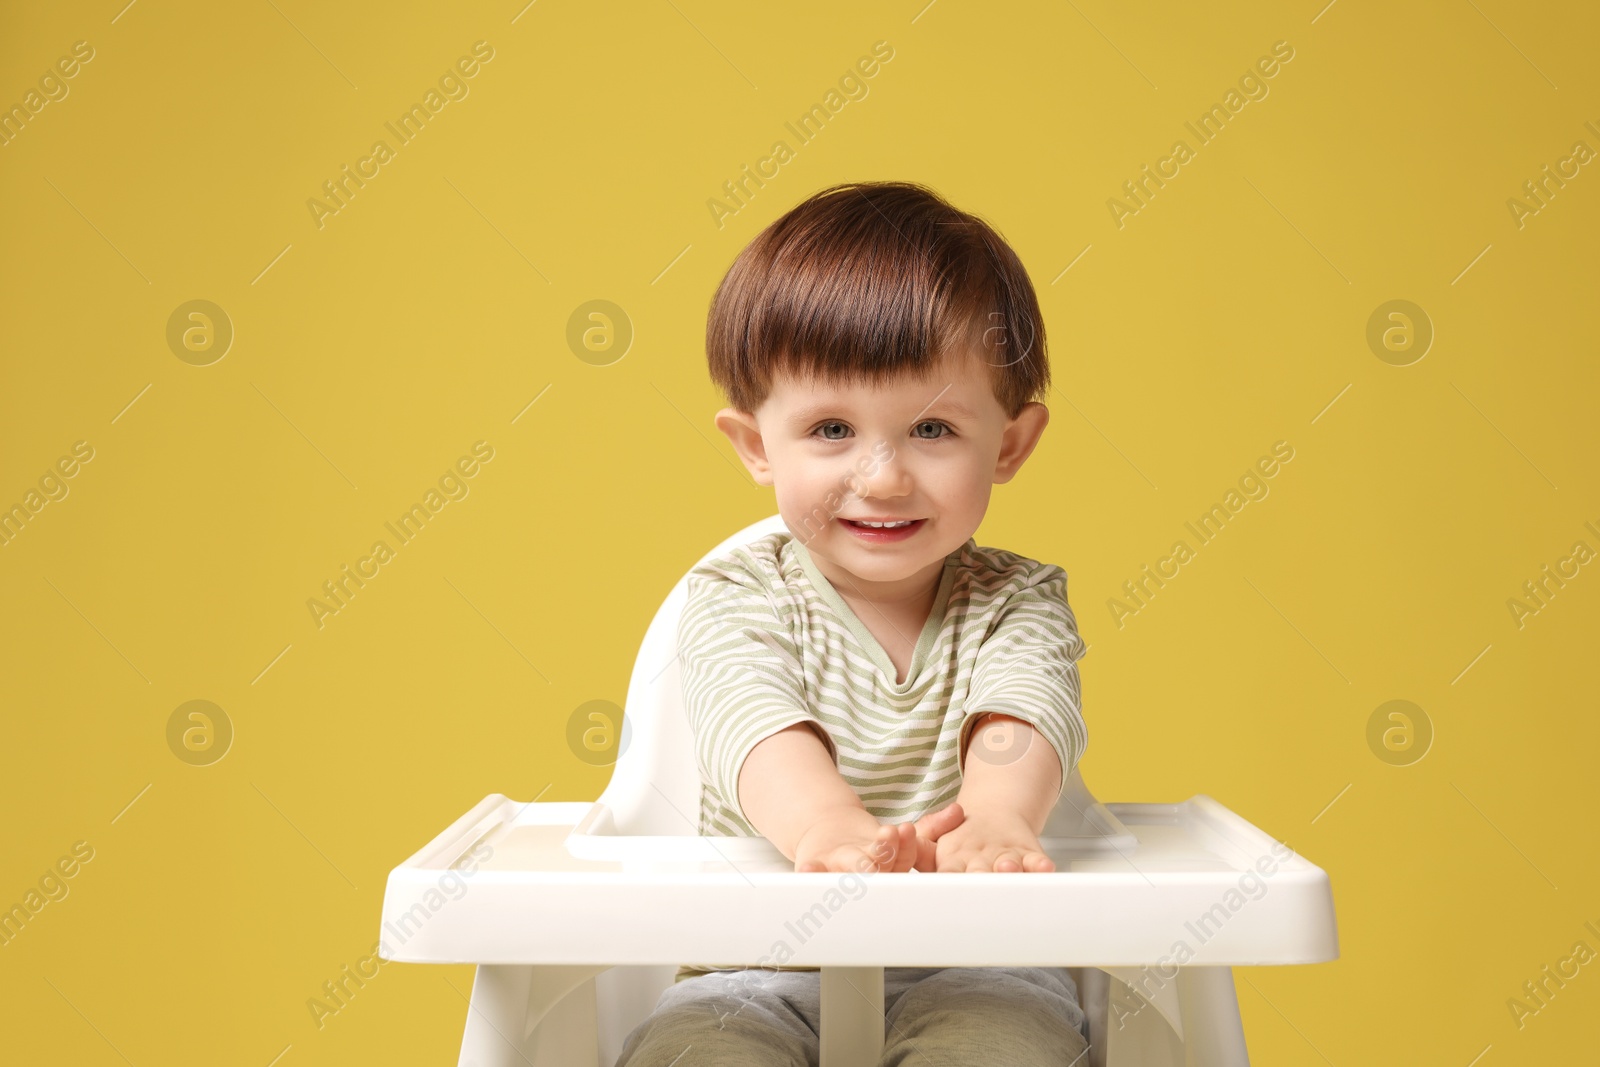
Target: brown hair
[864,281]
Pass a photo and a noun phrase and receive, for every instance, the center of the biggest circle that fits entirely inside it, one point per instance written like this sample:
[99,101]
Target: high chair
[577,913]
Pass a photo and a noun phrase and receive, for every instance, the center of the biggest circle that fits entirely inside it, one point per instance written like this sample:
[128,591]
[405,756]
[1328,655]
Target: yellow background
[372,352]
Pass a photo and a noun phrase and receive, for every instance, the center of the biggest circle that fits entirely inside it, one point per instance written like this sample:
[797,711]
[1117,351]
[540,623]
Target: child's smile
[883,531]
[881,481]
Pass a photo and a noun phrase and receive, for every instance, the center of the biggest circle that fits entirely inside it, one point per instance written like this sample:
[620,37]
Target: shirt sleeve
[1027,667]
[742,679]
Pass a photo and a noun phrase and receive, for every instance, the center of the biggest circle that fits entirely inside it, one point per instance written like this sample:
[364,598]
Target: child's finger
[936,824]
[1009,860]
[906,847]
[902,839]
[927,855]
[1038,861]
[878,855]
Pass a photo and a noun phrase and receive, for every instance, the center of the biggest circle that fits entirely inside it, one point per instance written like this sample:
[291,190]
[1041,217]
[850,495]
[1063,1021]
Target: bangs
[865,282]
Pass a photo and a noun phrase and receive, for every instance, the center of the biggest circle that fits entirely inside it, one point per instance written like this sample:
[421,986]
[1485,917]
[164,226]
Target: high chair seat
[577,914]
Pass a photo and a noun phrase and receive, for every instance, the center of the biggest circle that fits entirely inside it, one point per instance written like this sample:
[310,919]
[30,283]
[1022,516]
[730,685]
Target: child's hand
[991,842]
[835,843]
[930,828]
[850,839]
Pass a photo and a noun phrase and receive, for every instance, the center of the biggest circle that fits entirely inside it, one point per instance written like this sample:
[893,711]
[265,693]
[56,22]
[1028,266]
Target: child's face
[927,449]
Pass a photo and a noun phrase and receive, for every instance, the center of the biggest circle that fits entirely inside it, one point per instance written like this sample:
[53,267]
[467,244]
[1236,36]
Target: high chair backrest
[655,787]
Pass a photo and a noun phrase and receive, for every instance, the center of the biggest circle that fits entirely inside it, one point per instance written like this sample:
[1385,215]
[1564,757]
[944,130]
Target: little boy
[873,691]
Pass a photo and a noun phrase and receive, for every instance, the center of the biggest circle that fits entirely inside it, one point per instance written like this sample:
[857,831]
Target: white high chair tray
[546,883]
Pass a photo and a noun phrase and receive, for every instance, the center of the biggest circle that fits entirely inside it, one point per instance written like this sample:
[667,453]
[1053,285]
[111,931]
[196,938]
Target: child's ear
[1018,440]
[742,430]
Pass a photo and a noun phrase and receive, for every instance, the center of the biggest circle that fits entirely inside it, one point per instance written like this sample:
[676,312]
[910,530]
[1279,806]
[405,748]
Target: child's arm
[1026,733]
[792,793]
[745,701]
[1005,800]
[1026,785]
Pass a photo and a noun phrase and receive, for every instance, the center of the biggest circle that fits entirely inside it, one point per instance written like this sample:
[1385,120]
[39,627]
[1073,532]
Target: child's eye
[829,437]
[825,431]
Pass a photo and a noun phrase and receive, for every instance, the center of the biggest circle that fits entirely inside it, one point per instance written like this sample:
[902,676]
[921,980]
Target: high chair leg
[510,1022]
[852,1016]
[1094,992]
[1213,1030]
[1140,1018]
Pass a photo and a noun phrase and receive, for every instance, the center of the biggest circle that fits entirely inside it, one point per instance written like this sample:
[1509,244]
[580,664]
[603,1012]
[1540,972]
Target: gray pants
[933,1017]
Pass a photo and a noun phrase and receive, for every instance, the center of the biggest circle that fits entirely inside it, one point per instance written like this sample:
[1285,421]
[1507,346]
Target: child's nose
[882,478]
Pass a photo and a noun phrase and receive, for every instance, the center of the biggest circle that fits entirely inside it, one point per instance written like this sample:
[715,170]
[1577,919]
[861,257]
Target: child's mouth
[885,533]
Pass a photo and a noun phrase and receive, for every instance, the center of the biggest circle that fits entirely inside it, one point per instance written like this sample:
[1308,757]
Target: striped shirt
[766,642]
